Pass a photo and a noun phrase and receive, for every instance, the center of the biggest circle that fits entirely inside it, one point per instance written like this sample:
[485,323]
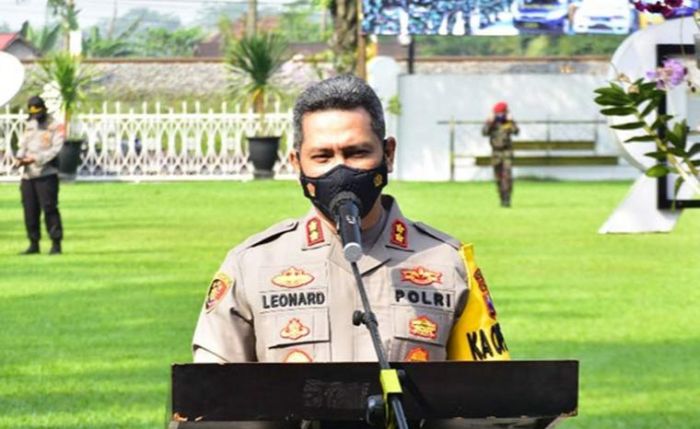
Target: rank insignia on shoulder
[423,327]
[399,234]
[297,356]
[314,232]
[292,278]
[217,290]
[294,330]
[417,354]
[421,276]
[481,281]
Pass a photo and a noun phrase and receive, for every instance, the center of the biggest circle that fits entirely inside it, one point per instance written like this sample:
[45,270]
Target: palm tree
[254,62]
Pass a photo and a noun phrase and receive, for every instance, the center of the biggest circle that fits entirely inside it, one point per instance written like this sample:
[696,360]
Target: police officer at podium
[288,295]
[37,157]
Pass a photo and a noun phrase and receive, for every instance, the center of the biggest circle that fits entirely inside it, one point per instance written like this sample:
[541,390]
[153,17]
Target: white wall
[426,99]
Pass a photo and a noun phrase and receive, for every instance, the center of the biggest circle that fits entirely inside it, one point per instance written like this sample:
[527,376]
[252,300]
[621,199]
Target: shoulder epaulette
[438,235]
[270,234]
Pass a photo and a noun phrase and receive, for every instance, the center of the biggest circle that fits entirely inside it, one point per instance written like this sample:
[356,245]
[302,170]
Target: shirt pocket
[420,334]
[297,336]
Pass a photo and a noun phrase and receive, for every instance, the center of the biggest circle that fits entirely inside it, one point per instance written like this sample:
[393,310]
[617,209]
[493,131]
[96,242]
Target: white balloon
[11,77]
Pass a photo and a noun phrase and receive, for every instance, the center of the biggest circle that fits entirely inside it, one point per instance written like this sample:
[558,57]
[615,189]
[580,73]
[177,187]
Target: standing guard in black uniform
[37,156]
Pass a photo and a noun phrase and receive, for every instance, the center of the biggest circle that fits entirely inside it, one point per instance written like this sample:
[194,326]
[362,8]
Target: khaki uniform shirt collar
[393,238]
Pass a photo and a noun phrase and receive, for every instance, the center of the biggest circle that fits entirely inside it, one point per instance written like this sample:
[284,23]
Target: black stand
[388,377]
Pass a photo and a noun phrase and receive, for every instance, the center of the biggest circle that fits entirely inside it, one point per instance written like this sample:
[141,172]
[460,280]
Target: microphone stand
[388,377]
[348,225]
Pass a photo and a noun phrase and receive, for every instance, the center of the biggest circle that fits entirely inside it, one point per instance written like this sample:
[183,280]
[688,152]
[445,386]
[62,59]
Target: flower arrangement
[639,101]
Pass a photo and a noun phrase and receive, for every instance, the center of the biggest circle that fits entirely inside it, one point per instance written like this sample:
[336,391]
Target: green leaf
[619,111]
[652,106]
[694,149]
[677,151]
[629,126]
[606,100]
[658,170]
[696,162]
[660,121]
[681,130]
[646,138]
[612,90]
[677,185]
[673,138]
[658,155]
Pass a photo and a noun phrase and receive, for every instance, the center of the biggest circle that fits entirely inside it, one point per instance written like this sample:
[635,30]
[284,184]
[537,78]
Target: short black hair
[344,92]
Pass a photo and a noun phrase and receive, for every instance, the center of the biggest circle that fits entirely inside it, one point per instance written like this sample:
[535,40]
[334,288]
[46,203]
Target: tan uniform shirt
[43,144]
[288,295]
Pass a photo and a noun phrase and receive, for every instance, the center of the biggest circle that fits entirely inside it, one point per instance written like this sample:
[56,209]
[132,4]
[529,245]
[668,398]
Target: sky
[14,12]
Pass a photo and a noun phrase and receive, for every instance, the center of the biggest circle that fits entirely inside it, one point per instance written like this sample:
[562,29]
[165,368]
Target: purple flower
[672,74]
[676,71]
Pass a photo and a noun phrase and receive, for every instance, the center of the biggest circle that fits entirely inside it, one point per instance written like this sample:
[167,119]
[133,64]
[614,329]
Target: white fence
[151,144]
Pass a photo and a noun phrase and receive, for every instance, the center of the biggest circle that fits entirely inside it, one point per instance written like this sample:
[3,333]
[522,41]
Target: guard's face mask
[38,113]
[365,184]
[501,117]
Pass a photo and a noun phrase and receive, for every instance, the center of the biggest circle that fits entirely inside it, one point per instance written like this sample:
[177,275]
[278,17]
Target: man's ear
[295,161]
[389,152]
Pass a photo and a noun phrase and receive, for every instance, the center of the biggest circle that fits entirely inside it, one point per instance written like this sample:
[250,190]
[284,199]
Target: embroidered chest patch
[294,330]
[421,276]
[423,327]
[292,278]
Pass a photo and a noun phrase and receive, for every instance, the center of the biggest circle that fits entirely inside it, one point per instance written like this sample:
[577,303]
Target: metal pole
[411,55]
[452,149]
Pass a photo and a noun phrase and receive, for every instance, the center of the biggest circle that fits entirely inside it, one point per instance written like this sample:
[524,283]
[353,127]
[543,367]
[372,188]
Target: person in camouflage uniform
[500,127]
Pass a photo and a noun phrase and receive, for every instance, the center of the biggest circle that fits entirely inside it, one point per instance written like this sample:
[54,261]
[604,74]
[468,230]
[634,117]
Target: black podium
[510,394]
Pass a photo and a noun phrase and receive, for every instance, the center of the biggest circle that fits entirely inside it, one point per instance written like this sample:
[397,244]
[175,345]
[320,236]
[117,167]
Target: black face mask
[365,184]
[40,116]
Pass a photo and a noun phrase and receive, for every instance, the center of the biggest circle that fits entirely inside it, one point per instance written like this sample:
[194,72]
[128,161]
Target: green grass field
[87,337]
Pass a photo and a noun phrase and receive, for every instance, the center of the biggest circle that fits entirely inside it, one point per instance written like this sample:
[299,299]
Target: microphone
[346,208]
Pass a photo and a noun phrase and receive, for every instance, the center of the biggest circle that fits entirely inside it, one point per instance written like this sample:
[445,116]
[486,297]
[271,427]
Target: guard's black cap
[36,101]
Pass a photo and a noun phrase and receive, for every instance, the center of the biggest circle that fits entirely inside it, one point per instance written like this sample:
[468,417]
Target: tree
[159,42]
[251,22]
[43,39]
[95,45]
[345,39]
[300,22]
[146,18]
[210,15]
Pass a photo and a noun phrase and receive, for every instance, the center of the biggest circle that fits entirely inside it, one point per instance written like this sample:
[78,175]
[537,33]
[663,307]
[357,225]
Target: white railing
[152,144]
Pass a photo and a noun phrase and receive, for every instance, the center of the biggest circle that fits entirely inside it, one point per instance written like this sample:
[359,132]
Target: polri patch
[417,354]
[423,327]
[421,276]
[292,278]
[294,330]
[217,290]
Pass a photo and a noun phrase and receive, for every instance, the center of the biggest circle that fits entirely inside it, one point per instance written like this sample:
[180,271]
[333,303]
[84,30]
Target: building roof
[6,40]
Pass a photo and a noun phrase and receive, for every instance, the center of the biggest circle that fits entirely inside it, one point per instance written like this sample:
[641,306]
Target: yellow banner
[477,334]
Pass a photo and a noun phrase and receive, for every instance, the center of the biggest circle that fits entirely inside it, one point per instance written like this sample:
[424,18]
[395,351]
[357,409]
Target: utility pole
[251,18]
